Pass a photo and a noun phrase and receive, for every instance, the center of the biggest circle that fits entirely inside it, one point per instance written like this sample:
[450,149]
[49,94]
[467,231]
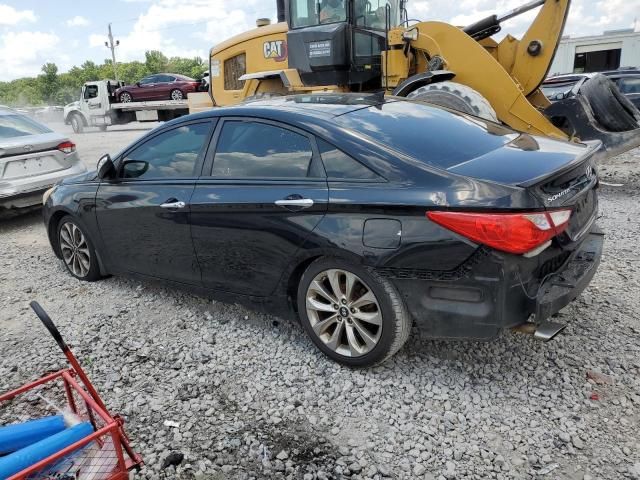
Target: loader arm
[476,67]
[536,49]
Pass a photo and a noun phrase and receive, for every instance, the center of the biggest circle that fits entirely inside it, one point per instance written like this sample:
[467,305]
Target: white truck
[98,107]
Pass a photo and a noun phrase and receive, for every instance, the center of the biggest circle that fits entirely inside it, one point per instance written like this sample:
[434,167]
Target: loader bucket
[598,112]
[575,117]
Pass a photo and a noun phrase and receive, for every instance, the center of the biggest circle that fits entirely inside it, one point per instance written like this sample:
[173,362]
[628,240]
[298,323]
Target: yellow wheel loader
[371,45]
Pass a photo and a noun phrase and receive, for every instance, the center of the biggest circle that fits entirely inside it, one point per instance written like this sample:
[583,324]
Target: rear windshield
[19,126]
[426,132]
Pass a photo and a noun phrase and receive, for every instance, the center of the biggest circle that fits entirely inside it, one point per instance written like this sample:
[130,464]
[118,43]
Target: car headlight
[47,194]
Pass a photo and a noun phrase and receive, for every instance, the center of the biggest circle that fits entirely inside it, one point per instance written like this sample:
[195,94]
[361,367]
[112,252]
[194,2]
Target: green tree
[49,80]
[155,61]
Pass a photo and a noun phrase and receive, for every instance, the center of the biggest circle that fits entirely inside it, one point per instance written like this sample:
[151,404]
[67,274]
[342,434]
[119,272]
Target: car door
[143,214]
[164,86]
[146,89]
[265,194]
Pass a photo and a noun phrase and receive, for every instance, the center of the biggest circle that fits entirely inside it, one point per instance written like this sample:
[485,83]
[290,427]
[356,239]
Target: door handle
[173,205]
[297,202]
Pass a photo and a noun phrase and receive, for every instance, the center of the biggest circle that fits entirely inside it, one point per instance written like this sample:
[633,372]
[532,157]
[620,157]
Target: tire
[77,123]
[103,128]
[76,248]
[126,97]
[339,336]
[176,94]
[611,108]
[455,96]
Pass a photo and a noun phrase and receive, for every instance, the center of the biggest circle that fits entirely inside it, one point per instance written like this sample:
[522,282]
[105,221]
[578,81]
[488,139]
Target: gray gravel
[244,395]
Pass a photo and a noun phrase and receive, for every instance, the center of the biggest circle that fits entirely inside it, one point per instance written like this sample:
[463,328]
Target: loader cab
[339,42]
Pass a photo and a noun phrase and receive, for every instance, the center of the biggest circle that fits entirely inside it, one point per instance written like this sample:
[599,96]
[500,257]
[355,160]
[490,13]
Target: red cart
[104,455]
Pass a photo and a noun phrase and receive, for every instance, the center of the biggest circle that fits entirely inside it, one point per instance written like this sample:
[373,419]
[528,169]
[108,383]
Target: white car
[32,159]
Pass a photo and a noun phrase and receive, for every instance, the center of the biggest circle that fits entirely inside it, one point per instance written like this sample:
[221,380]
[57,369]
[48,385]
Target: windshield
[557,90]
[368,14]
[19,126]
[305,13]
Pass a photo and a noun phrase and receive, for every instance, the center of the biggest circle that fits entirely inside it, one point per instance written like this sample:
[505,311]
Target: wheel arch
[290,280]
[420,79]
[79,113]
[52,228]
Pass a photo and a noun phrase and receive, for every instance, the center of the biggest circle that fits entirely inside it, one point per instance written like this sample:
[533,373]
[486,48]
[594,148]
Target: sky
[68,32]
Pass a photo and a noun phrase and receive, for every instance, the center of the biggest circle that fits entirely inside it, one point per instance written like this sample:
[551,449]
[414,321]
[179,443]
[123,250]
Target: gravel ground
[252,398]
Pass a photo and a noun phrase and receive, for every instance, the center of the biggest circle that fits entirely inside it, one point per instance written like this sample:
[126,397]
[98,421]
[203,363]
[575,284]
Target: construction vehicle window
[260,150]
[370,14]
[234,68]
[91,91]
[341,166]
[171,154]
[313,12]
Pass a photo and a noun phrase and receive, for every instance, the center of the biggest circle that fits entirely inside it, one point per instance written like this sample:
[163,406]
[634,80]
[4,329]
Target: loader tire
[455,96]
[611,108]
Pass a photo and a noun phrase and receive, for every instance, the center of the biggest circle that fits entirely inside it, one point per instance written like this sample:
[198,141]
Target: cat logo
[276,49]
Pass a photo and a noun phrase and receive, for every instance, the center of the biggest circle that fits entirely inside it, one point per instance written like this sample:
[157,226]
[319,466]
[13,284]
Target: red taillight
[510,232]
[67,147]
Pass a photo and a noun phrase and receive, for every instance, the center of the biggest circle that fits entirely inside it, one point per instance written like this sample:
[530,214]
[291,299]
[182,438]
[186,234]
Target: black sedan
[357,214]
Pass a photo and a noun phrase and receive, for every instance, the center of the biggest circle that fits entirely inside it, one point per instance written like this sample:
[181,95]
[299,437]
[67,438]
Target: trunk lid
[30,144]
[558,174]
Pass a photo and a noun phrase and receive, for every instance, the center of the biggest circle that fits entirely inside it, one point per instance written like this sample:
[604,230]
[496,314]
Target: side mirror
[134,168]
[106,168]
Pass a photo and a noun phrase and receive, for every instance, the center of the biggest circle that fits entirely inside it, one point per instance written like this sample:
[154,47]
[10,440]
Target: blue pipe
[15,437]
[28,456]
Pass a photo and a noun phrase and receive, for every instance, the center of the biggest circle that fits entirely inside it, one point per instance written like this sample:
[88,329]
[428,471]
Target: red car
[161,86]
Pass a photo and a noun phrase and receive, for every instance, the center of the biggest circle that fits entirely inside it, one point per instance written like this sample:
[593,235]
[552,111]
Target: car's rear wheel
[352,315]
[456,96]
[176,94]
[77,123]
[77,250]
[125,97]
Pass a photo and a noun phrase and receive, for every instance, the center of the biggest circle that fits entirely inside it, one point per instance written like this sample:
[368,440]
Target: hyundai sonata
[356,214]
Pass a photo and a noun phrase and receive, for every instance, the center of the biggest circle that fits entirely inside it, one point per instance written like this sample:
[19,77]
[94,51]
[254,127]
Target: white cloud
[78,21]
[23,53]
[11,16]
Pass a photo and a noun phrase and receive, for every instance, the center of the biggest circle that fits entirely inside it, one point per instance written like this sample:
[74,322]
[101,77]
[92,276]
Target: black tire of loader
[611,108]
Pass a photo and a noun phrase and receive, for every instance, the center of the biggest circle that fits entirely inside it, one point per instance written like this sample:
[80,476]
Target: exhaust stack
[280,7]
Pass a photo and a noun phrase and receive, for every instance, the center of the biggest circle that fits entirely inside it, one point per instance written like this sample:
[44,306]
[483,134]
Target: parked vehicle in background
[98,107]
[361,214]
[161,86]
[32,158]
[560,87]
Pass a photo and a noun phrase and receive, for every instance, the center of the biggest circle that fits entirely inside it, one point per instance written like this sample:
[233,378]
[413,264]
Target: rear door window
[261,150]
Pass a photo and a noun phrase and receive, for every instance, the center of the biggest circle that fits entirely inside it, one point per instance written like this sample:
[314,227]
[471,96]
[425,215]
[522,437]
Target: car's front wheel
[354,316]
[77,250]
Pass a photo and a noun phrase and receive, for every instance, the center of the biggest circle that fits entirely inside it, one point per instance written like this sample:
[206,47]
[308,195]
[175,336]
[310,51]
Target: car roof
[324,105]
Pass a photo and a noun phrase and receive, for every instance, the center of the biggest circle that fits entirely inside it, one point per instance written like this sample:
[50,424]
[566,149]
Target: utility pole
[113,46]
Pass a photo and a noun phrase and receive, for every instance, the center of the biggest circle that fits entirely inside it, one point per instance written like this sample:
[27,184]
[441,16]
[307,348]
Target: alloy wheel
[75,250]
[344,312]
[125,97]
[176,95]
